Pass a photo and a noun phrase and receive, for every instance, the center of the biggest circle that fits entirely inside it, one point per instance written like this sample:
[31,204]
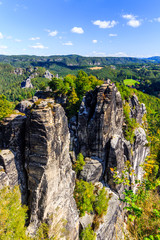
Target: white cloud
[105,24]
[18,40]
[133,22]
[94,41]
[78,30]
[98,54]
[68,43]
[157,19]
[34,38]
[39,46]
[128,16]
[1,35]
[52,33]
[112,35]
[118,54]
[3,47]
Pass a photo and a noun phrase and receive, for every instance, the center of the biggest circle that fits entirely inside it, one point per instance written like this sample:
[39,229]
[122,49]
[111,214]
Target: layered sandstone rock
[49,169]
[12,137]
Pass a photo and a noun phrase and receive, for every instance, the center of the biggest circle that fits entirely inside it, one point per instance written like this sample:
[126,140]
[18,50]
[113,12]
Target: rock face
[27,83]
[92,170]
[12,137]
[50,176]
[98,132]
[8,167]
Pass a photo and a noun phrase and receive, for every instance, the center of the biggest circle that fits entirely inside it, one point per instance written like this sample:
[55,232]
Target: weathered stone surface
[4,180]
[137,109]
[12,137]
[100,134]
[140,152]
[24,105]
[7,161]
[100,117]
[107,229]
[27,83]
[92,170]
[85,220]
[50,176]
[48,75]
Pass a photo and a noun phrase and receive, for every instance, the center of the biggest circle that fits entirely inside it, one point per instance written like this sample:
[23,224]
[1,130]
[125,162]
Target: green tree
[6,108]
[12,215]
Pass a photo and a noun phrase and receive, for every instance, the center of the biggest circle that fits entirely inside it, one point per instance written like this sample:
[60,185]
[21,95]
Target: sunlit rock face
[49,169]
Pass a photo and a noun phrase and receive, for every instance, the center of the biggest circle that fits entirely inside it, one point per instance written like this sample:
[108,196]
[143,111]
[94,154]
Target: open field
[96,68]
[130,82]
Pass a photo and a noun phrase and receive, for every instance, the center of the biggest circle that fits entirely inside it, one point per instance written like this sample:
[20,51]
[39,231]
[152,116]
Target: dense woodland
[143,207]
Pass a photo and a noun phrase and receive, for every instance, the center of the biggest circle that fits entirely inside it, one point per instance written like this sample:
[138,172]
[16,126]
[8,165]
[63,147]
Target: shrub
[101,202]
[6,108]
[12,214]
[84,196]
[88,234]
[89,200]
[78,166]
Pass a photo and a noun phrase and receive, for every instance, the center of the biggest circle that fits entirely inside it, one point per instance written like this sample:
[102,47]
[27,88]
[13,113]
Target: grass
[130,82]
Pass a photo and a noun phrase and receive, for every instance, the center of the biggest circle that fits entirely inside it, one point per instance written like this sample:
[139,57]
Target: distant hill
[71,60]
[155,59]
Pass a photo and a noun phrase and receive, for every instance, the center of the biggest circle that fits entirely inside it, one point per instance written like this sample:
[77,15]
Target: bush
[6,108]
[88,234]
[12,215]
[89,199]
[84,196]
[78,166]
[101,203]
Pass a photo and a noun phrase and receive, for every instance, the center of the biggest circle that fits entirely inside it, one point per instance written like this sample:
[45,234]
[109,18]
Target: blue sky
[84,27]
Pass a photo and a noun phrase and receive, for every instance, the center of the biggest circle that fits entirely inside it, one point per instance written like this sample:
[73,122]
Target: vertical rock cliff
[50,176]
[99,135]
[12,137]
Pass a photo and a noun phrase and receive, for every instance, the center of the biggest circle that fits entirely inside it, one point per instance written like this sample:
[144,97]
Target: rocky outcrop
[92,170]
[12,137]
[50,176]
[98,132]
[27,83]
[8,167]
[48,75]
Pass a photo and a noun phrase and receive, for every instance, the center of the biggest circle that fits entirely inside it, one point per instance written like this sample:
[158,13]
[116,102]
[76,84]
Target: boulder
[92,170]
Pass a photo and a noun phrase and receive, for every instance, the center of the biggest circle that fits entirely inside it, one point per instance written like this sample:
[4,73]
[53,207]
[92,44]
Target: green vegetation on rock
[6,108]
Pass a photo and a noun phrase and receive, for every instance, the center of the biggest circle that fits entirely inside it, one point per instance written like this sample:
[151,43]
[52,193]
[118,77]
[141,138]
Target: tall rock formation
[98,133]
[49,169]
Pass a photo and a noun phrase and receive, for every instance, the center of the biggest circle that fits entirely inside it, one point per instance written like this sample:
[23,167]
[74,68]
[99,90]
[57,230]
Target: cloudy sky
[84,27]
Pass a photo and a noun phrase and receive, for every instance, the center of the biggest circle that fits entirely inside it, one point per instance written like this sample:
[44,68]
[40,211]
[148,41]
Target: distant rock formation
[27,83]
[48,75]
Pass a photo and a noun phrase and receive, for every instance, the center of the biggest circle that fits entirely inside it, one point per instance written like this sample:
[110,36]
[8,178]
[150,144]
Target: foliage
[84,196]
[78,166]
[73,88]
[101,202]
[6,108]
[130,82]
[88,234]
[144,218]
[12,215]
[130,123]
[90,199]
